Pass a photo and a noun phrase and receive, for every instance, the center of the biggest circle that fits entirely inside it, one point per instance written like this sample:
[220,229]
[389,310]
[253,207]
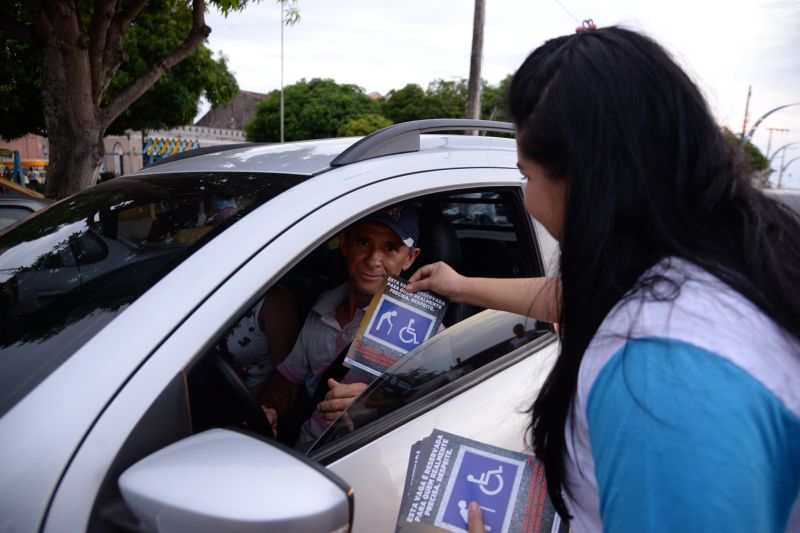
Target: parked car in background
[118,411]
[15,208]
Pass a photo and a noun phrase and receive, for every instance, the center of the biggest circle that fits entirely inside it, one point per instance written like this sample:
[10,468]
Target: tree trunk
[74,162]
[75,135]
[474,88]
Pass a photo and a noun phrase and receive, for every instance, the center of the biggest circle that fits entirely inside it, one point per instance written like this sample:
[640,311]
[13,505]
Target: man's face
[371,251]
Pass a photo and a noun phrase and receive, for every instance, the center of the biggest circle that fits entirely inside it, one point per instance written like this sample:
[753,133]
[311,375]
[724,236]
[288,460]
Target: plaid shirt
[320,340]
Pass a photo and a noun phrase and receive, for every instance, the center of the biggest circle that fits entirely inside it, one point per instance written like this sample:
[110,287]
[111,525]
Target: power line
[562,6]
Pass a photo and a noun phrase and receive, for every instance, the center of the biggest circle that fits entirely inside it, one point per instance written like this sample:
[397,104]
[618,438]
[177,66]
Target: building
[133,150]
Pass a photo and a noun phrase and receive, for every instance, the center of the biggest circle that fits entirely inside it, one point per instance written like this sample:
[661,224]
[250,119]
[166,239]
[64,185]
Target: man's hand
[437,277]
[272,416]
[339,398]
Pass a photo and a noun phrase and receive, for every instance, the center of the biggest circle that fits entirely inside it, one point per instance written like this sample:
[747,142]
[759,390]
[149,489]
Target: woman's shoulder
[686,304]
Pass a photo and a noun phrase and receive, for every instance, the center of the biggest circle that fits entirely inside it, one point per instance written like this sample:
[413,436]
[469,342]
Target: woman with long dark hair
[675,401]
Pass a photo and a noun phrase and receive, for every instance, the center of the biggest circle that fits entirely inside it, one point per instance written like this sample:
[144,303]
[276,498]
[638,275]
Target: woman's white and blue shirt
[687,415]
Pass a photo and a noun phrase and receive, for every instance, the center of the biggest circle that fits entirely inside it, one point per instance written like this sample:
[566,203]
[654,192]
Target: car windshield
[65,273]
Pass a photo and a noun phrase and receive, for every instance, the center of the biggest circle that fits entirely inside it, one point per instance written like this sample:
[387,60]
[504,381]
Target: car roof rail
[200,151]
[404,137]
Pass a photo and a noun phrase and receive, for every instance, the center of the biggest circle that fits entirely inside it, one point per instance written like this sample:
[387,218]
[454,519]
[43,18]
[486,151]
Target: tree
[447,98]
[405,104]
[314,109]
[77,48]
[364,125]
[754,160]
[172,100]
[494,100]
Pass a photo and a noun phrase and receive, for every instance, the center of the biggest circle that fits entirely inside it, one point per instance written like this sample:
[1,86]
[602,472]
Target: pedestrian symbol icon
[386,317]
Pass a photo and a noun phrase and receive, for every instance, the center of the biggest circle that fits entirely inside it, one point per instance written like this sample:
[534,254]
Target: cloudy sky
[725,46]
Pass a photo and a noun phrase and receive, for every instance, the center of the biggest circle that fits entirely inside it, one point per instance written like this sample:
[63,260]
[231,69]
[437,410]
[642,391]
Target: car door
[470,381]
[150,409]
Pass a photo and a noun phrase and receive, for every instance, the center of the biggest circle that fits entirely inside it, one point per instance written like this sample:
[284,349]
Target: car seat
[438,241]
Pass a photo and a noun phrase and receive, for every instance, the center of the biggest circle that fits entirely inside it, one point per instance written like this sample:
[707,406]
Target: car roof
[308,158]
[790,197]
[302,158]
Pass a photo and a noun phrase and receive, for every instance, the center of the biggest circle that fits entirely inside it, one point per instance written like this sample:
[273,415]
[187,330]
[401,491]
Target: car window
[66,272]
[477,209]
[9,215]
[505,248]
[438,365]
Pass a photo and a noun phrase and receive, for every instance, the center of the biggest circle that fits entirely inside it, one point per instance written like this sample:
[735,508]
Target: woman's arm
[537,298]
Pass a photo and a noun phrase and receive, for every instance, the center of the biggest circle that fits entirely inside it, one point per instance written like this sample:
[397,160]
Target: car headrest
[437,241]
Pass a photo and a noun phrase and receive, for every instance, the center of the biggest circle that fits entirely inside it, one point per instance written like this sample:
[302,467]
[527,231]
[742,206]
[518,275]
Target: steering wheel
[254,417]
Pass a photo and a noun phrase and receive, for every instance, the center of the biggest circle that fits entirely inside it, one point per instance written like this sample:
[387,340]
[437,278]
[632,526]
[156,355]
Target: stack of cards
[447,472]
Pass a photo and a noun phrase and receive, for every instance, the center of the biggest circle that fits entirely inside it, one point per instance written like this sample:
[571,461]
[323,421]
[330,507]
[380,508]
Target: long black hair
[649,176]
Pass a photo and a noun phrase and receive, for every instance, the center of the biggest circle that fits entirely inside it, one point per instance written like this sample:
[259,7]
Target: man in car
[378,245]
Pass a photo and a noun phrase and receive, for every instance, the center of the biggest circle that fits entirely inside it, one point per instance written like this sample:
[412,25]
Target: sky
[725,46]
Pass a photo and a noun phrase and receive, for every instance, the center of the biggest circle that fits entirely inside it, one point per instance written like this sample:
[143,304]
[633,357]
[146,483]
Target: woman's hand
[475,518]
[439,278]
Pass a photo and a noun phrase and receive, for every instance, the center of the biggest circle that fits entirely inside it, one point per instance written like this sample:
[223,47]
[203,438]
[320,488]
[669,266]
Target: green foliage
[20,87]
[444,99]
[408,103]
[754,160]
[448,99]
[313,109]
[291,13]
[494,100]
[171,101]
[363,125]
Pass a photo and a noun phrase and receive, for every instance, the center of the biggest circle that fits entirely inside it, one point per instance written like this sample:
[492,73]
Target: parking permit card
[395,323]
[451,471]
[413,459]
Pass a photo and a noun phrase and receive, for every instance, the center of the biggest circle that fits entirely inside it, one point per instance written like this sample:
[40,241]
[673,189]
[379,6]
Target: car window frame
[334,450]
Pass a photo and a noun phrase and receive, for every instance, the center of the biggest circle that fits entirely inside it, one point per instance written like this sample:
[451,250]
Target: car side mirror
[226,480]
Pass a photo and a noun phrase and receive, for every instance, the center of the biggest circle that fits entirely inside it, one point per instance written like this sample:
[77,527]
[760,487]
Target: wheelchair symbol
[485,479]
[407,334]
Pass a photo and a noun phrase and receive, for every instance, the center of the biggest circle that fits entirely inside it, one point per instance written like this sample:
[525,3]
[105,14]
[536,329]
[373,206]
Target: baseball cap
[401,219]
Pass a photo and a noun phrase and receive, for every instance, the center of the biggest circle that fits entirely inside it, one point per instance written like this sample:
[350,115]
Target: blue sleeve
[684,440]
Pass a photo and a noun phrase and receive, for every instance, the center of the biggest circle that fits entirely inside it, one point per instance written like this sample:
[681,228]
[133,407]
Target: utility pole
[746,111]
[769,141]
[474,88]
[282,24]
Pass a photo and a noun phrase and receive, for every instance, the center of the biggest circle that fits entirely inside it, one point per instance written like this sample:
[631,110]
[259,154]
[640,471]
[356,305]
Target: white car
[117,410]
